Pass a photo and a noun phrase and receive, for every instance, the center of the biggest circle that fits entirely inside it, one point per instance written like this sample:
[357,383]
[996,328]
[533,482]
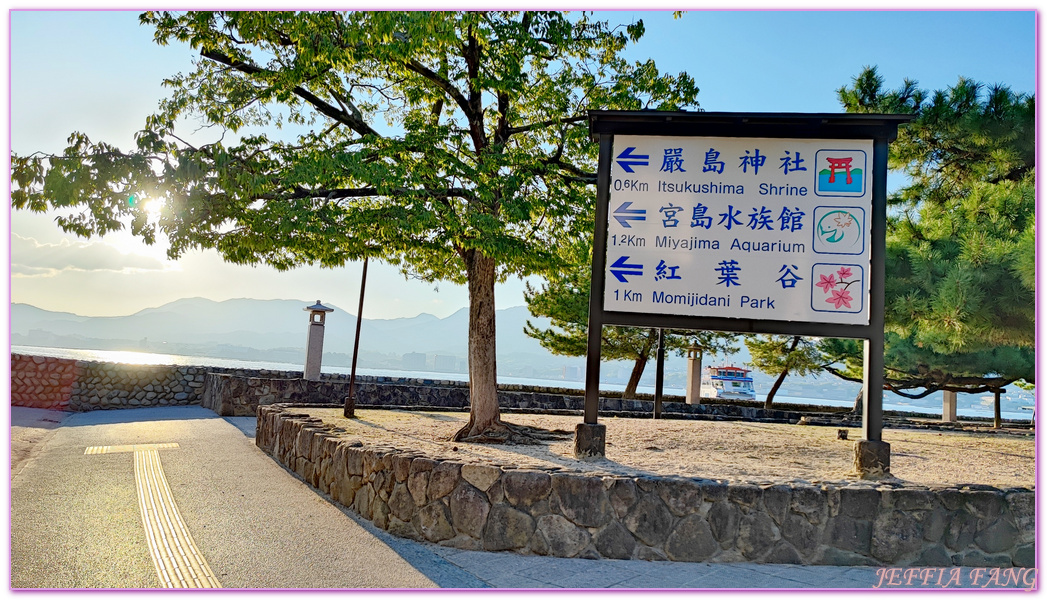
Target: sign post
[752,223]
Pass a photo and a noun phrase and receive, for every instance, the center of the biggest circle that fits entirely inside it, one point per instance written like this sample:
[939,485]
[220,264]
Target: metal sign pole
[659,375]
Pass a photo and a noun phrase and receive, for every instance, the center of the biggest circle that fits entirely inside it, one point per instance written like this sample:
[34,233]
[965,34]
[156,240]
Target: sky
[99,72]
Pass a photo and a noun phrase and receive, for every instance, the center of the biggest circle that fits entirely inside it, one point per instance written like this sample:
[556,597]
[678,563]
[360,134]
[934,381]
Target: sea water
[930,406]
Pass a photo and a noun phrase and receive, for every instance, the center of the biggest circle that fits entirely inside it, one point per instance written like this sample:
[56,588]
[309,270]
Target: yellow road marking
[130,448]
[176,558]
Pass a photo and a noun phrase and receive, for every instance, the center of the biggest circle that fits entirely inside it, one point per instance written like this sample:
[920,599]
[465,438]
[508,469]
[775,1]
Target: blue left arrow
[624,214]
[628,160]
[621,268]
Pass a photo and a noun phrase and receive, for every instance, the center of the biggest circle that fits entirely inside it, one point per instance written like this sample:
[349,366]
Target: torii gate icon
[839,163]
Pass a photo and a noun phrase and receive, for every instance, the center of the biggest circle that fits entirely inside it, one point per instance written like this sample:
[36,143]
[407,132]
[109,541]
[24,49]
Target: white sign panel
[749,228]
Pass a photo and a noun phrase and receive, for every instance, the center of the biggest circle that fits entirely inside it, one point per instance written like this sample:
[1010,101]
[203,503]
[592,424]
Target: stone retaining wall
[42,382]
[238,395]
[488,507]
[82,385]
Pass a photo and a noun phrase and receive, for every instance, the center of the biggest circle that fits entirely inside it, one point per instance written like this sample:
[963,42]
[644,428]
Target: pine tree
[960,266]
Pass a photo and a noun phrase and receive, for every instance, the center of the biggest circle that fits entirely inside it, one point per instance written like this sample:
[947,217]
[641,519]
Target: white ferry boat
[728,383]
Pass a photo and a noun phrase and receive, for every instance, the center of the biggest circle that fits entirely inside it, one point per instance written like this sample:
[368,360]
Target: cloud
[30,258]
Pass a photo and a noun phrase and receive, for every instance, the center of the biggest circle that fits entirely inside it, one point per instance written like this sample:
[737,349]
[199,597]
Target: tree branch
[353,120]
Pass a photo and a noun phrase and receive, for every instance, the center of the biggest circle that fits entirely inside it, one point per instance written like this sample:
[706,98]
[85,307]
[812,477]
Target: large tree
[960,265]
[452,144]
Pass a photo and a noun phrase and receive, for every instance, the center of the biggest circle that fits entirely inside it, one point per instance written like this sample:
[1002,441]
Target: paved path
[76,522]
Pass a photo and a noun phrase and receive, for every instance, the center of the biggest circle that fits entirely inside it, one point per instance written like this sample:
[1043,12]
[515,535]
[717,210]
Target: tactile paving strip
[178,562]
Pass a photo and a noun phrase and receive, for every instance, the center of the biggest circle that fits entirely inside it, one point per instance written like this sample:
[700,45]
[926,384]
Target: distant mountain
[246,328]
[275,331]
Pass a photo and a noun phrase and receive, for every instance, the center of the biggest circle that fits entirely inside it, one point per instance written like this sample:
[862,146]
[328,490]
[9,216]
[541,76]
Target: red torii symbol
[839,163]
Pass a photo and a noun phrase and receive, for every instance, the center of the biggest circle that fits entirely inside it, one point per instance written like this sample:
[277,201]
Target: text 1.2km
[634,241]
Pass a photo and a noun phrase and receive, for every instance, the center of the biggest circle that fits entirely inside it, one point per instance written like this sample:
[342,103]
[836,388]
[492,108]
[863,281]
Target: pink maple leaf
[826,283]
[844,272]
[840,298]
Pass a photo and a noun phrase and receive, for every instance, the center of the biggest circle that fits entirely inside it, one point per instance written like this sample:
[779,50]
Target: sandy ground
[733,451]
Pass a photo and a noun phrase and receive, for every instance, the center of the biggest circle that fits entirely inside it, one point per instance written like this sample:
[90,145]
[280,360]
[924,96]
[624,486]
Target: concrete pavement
[76,523]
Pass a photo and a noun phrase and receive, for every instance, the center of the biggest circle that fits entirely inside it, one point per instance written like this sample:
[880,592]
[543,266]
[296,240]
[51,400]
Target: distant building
[572,373]
[445,364]
[413,361]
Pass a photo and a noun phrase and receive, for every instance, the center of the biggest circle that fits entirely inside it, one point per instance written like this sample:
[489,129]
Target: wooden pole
[350,400]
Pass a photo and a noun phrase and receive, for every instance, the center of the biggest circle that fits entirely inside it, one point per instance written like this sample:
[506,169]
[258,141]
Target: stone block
[933,523]
[960,530]
[582,499]
[681,496]
[403,529]
[713,491]
[691,540]
[481,476]
[859,502]
[744,495]
[811,502]
[1022,507]
[800,533]
[524,488]
[507,529]
[934,556]
[561,537]
[362,501]
[443,478]
[401,467]
[852,535]
[622,496]
[872,459]
[757,533]
[724,519]
[434,522]
[1025,556]
[469,509]
[418,485]
[894,535]
[401,504]
[380,513]
[776,501]
[590,440]
[783,554]
[615,541]
[985,504]
[1000,536]
[650,520]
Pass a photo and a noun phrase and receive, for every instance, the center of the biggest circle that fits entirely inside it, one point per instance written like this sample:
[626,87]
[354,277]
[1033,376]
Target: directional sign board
[750,228]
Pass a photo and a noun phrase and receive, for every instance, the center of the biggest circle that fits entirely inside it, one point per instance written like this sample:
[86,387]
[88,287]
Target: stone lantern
[694,375]
[314,348]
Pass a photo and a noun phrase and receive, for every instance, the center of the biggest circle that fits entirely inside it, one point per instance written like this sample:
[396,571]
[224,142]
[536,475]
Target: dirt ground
[727,450]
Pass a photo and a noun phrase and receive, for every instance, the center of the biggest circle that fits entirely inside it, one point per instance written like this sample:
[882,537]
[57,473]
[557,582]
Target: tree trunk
[768,403]
[634,378]
[639,366]
[859,406]
[483,371]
